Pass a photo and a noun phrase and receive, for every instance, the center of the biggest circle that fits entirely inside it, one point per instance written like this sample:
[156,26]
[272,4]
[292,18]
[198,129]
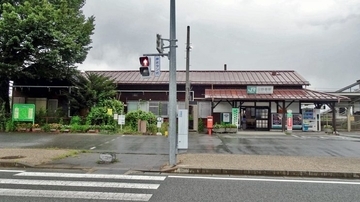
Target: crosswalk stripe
[75,194]
[80,184]
[98,176]
[12,171]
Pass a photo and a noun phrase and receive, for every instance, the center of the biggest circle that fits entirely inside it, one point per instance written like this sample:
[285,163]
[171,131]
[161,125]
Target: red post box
[210,124]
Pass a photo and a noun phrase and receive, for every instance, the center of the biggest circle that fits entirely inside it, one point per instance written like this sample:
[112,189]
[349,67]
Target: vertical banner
[235,116]
[289,117]
[157,68]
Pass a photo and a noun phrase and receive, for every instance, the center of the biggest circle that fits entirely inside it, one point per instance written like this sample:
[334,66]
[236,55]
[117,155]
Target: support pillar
[283,116]
[333,116]
[348,118]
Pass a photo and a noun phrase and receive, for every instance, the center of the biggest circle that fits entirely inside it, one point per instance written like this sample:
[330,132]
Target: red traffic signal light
[144,61]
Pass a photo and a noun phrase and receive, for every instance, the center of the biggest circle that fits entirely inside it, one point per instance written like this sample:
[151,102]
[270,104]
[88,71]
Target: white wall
[294,106]
[222,107]
[274,107]
[262,104]
[248,104]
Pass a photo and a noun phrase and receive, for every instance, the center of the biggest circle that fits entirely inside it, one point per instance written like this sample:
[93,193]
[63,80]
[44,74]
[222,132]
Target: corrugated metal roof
[278,94]
[212,77]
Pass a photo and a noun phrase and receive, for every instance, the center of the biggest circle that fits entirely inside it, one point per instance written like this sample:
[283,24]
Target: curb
[16,164]
[273,173]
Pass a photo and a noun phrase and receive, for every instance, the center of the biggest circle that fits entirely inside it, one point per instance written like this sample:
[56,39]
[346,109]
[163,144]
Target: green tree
[90,90]
[41,39]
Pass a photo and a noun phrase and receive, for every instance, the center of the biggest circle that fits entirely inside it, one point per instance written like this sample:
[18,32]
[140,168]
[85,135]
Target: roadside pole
[172,87]
[187,86]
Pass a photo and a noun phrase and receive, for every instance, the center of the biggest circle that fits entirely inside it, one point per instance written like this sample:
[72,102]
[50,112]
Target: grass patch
[71,153]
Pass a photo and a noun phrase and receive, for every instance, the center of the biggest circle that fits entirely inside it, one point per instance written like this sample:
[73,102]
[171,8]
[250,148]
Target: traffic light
[145,70]
[159,44]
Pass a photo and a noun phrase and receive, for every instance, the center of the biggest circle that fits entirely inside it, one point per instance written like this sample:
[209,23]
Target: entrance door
[262,118]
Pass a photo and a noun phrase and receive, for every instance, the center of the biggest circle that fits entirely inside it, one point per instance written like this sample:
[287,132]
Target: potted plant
[36,128]
[231,128]
[328,128]
[94,128]
[65,128]
[218,128]
[54,127]
[23,127]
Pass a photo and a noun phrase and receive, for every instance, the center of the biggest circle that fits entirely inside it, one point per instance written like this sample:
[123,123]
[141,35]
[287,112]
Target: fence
[342,123]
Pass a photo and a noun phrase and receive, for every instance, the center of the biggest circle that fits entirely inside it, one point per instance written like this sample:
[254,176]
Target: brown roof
[278,94]
[212,77]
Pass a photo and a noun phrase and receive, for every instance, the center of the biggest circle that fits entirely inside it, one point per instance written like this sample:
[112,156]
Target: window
[164,109]
[154,107]
[132,106]
[143,105]
[204,109]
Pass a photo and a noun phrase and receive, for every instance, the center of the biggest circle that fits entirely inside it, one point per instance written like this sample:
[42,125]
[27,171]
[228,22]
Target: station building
[262,98]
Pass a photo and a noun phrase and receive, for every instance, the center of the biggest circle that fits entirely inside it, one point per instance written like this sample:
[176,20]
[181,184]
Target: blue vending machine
[310,120]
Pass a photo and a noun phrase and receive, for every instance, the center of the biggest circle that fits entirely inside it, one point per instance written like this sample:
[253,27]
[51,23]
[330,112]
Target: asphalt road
[54,186]
[296,145]
[197,188]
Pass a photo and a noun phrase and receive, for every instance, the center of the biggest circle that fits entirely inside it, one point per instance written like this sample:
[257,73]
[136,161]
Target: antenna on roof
[274,73]
[225,67]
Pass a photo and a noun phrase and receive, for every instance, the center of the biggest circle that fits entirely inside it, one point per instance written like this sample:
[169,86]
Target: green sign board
[235,116]
[23,112]
[289,113]
[259,89]
[251,89]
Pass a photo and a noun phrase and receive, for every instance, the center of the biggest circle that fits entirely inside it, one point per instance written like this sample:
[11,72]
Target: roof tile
[278,94]
[212,77]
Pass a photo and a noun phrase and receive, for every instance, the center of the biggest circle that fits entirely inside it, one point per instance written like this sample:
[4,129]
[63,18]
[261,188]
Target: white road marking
[75,194]
[107,142]
[295,136]
[99,176]
[92,148]
[270,180]
[80,184]
[12,171]
[113,140]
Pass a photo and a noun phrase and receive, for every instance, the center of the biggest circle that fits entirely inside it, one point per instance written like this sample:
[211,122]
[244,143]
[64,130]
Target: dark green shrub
[132,118]
[75,120]
[46,128]
[201,126]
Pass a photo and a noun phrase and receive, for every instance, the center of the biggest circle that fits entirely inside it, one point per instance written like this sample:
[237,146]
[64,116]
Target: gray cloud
[319,39]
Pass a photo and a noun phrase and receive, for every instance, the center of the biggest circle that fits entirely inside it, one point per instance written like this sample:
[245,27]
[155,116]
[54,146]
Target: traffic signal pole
[172,87]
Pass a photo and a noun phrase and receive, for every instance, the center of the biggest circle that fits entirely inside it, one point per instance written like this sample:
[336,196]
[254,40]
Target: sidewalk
[229,164]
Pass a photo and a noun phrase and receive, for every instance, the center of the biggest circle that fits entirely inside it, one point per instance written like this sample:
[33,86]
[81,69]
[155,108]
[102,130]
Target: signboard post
[121,121]
[158,124]
[24,113]
[226,118]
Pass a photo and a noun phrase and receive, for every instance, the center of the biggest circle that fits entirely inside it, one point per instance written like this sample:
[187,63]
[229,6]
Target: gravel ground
[215,161]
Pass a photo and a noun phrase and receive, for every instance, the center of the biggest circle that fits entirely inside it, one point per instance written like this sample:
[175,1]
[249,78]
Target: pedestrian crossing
[96,187]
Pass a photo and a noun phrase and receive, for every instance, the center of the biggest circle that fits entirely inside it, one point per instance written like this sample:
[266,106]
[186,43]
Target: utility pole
[187,86]
[172,87]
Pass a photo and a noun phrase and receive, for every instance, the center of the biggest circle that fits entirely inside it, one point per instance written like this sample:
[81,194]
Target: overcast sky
[320,39]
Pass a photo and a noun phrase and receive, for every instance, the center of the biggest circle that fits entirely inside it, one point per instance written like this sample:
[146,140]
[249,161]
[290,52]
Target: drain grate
[13,157]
